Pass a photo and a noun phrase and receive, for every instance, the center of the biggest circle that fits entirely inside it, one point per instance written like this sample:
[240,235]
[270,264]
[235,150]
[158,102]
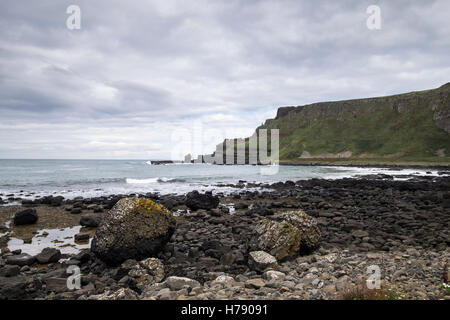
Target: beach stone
[260,260]
[13,288]
[135,228]
[9,271]
[22,259]
[121,294]
[273,275]
[223,280]
[90,220]
[28,216]
[76,211]
[81,236]
[56,284]
[254,283]
[360,233]
[147,272]
[206,201]
[280,239]
[307,226]
[48,255]
[178,283]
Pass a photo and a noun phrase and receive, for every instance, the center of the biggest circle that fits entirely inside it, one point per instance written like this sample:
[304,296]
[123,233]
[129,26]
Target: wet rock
[79,237]
[206,201]
[28,216]
[48,255]
[90,220]
[260,260]
[133,229]
[22,259]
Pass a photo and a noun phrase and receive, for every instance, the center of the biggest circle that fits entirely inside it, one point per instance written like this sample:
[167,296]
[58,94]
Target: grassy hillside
[413,127]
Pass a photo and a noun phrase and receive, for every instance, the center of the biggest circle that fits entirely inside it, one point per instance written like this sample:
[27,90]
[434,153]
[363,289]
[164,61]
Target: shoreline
[400,225]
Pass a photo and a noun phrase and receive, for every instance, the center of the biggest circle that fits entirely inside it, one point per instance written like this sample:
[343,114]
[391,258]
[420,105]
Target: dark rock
[48,255]
[90,220]
[22,259]
[28,216]
[13,288]
[196,200]
[135,228]
[81,237]
[9,271]
[56,284]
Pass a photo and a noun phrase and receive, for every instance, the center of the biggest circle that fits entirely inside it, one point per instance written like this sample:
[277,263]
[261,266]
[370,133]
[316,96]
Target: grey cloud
[136,71]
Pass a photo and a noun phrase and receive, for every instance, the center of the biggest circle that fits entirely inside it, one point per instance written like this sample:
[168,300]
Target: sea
[29,179]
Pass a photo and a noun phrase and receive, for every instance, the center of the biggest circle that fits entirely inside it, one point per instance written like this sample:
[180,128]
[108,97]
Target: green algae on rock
[135,228]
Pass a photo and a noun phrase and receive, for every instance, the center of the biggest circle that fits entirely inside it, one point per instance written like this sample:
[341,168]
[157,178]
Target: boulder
[28,216]
[48,255]
[90,220]
[22,259]
[135,228]
[307,226]
[196,200]
[280,239]
[260,260]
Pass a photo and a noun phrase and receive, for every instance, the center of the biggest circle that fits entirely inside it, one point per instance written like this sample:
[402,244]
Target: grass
[361,292]
[387,130]
[413,161]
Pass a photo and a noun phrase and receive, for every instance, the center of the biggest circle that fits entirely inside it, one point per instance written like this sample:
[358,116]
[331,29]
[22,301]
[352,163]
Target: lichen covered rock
[147,272]
[280,239]
[135,228]
[307,225]
[287,235]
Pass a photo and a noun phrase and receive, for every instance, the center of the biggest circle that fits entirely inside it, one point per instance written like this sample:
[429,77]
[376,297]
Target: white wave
[141,181]
[149,163]
[150,180]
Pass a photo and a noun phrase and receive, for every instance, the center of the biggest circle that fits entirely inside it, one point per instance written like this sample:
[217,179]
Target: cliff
[411,125]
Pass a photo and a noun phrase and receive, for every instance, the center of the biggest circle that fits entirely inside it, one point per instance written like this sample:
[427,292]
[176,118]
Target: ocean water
[87,178]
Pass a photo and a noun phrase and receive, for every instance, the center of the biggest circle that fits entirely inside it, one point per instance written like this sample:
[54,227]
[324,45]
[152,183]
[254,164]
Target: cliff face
[415,124]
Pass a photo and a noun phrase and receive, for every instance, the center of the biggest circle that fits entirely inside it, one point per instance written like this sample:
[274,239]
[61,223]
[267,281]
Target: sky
[157,79]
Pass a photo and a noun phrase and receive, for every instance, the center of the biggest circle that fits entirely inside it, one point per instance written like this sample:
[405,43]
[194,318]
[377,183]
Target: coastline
[403,229]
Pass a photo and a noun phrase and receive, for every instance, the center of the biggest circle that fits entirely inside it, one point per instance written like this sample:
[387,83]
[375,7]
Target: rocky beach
[306,239]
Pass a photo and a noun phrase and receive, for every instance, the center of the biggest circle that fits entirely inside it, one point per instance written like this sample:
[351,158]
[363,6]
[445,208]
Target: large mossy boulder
[280,239]
[135,228]
[287,235]
[307,225]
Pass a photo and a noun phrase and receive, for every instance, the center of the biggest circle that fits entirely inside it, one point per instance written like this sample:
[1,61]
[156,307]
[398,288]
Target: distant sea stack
[411,126]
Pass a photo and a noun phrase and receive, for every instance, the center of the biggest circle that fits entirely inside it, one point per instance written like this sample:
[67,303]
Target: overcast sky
[139,75]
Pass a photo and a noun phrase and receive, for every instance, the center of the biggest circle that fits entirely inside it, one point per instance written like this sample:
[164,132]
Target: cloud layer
[150,79]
